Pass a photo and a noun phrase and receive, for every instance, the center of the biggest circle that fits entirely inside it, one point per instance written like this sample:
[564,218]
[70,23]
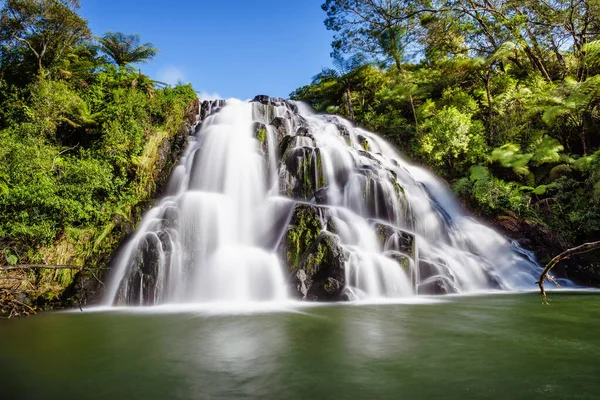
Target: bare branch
[584,248]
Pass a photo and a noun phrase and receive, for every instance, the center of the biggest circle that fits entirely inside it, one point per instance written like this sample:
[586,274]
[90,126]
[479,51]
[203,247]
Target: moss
[364,142]
[382,235]
[261,135]
[315,259]
[320,175]
[302,233]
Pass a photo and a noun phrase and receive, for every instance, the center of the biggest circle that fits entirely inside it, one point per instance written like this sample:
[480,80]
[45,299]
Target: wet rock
[428,269]
[302,231]
[392,238]
[364,142]
[261,98]
[144,273]
[300,173]
[264,99]
[280,125]
[313,257]
[404,261]
[324,266]
[321,196]
[437,285]
[210,107]
[303,131]
[300,278]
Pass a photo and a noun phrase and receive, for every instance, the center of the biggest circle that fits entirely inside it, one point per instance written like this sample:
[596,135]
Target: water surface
[486,347]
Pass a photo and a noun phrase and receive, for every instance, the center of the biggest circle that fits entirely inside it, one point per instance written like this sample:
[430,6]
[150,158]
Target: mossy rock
[259,131]
[303,229]
[301,173]
[395,239]
[364,142]
[560,171]
[404,261]
[324,265]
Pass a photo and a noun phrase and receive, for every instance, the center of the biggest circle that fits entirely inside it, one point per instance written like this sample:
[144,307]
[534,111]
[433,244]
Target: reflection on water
[494,347]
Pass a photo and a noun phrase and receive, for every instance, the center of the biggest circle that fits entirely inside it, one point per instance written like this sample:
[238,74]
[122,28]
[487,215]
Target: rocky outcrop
[323,268]
[314,258]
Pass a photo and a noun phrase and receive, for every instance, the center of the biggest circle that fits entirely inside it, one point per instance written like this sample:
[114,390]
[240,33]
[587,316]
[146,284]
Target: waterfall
[271,201]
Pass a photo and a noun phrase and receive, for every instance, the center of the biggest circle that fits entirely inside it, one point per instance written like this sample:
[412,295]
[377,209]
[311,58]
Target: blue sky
[229,48]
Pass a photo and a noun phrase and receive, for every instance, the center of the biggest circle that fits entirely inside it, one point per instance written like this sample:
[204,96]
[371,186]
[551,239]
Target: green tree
[45,28]
[451,139]
[126,49]
[381,29]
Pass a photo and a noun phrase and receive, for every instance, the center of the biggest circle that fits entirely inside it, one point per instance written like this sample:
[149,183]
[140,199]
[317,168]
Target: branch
[40,266]
[584,248]
[28,45]
[62,152]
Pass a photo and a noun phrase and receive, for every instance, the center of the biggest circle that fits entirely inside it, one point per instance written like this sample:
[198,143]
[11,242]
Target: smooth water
[506,346]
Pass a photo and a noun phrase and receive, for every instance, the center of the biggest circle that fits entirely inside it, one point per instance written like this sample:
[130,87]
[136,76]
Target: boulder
[302,231]
[324,267]
[437,285]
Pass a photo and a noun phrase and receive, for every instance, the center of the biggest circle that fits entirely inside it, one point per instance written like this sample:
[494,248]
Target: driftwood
[584,248]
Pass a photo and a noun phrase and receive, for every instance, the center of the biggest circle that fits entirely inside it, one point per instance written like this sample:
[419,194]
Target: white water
[213,237]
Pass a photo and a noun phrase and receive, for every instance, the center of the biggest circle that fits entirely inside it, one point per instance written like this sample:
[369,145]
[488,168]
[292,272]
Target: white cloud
[171,75]
[204,95]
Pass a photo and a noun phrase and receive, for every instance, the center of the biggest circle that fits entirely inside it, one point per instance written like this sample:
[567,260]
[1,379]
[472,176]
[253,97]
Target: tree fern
[125,49]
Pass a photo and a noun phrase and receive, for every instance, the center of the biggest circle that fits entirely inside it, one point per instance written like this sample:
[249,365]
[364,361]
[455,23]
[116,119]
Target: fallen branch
[584,248]
[40,266]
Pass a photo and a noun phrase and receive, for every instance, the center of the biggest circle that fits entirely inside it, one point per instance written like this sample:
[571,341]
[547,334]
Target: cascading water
[271,201]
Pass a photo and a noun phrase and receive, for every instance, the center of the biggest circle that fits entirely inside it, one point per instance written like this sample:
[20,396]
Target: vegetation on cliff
[501,98]
[84,140]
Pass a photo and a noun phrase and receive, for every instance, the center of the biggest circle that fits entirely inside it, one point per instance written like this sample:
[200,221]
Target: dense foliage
[79,135]
[501,98]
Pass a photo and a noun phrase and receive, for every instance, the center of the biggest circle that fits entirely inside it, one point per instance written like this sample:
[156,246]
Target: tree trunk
[583,141]
[488,93]
[412,107]
[350,107]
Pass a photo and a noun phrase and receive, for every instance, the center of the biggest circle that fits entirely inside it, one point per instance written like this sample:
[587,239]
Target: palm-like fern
[125,49]
[580,106]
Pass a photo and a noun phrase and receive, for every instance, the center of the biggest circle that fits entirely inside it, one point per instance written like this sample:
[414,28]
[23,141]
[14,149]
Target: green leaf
[547,151]
[12,259]
[478,172]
